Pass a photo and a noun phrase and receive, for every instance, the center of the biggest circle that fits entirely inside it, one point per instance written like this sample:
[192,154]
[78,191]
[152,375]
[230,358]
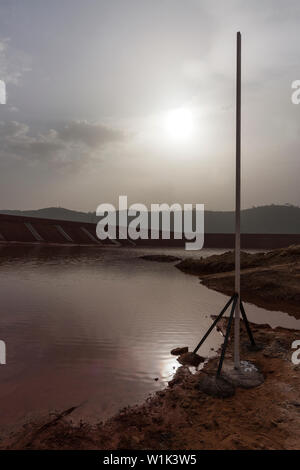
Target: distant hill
[55,213]
[263,219]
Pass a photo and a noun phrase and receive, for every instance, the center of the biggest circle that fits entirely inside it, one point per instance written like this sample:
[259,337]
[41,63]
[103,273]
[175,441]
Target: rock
[190,359]
[179,351]
[248,376]
[215,386]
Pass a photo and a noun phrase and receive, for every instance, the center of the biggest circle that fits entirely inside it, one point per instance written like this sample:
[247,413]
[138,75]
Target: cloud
[92,135]
[17,143]
[69,146]
[12,129]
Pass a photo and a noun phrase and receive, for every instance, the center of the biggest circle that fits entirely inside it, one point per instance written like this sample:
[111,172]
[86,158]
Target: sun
[179,123]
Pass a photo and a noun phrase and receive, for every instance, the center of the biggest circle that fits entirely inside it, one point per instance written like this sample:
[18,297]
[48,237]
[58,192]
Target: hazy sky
[93,93]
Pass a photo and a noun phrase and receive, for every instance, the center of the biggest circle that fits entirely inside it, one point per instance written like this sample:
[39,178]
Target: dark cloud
[91,134]
[69,145]
[17,142]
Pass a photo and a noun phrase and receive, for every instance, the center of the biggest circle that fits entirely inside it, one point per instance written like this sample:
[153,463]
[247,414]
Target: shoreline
[269,280]
[183,417]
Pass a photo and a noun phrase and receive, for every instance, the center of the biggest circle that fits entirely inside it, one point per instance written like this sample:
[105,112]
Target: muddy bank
[270,280]
[161,258]
[183,417]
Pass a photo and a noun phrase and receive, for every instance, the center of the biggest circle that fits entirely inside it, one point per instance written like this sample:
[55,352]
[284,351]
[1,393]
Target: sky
[137,98]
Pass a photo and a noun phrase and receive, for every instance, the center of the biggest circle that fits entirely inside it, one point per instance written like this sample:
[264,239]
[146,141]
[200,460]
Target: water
[95,327]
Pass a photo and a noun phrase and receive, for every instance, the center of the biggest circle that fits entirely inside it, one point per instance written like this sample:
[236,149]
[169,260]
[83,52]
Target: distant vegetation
[263,219]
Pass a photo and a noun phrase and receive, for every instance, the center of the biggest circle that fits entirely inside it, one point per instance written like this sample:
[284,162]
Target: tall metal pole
[238,207]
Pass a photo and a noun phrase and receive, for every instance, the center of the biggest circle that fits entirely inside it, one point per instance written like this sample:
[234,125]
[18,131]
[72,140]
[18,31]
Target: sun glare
[179,123]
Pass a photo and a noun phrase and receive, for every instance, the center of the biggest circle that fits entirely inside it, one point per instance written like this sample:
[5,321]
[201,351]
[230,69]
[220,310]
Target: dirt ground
[183,417]
[270,280]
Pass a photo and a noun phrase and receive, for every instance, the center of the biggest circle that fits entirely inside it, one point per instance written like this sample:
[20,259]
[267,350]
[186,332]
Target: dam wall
[18,229]
[33,230]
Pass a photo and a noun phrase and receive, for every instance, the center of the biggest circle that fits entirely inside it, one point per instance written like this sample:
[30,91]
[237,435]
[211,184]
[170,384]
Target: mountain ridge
[262,219]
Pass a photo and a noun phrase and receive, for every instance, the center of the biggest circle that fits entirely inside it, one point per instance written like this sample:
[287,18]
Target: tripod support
[232,301]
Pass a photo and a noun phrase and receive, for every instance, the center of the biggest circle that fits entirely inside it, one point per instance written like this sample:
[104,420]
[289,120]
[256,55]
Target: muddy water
[95,327]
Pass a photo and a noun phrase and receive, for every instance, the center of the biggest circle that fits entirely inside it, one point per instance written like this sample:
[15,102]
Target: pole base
[247,376]
[216,387]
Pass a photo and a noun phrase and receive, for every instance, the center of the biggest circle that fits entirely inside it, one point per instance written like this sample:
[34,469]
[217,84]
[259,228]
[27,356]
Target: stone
[248,376]
[180,350]
[216,387]
[190,359]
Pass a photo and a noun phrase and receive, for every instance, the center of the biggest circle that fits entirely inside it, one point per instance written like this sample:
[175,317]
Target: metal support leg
[215,322]
[247,325]
[227,335]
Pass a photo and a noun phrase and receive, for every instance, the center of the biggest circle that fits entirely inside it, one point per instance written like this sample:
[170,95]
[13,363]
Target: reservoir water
[95,327]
